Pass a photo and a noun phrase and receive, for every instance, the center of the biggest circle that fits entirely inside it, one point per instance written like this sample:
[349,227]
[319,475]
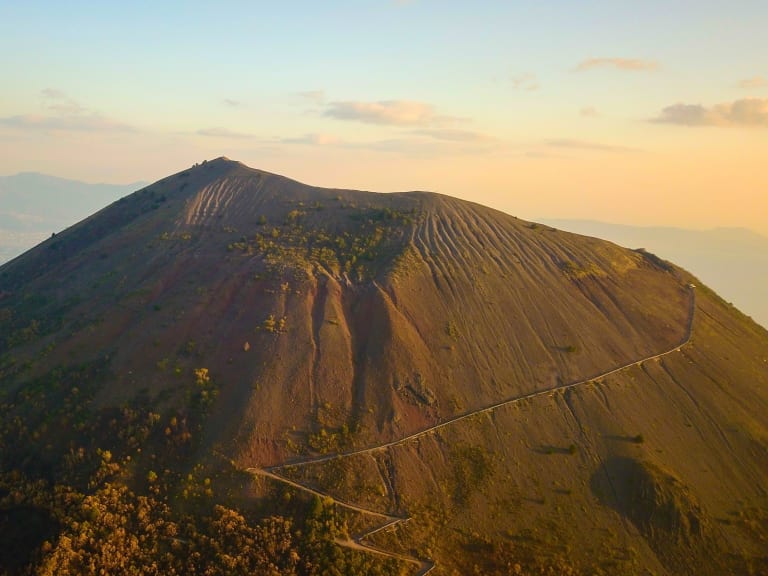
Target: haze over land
[33,206]
[626,113]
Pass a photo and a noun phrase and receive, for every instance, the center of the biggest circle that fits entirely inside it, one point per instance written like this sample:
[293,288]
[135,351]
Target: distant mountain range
[33,206]
[733,261]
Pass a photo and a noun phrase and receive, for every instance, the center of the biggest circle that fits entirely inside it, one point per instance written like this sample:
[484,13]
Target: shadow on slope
[662,508]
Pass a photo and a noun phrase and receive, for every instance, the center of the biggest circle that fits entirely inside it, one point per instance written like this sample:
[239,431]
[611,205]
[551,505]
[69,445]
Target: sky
[650,112]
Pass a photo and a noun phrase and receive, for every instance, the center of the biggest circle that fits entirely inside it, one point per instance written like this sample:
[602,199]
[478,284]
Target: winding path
[426,566]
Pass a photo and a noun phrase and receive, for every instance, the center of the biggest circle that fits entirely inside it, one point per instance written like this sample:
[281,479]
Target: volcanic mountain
[232,372]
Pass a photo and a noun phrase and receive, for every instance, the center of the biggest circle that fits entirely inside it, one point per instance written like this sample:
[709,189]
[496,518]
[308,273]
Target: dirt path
[356,542]
[388,517]
[426,566]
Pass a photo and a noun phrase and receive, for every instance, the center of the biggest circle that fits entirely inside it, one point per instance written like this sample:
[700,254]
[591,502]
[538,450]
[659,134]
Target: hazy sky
[639,112]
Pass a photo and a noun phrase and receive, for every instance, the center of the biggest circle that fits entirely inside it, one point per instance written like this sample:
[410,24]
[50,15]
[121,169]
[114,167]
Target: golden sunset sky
[645,113]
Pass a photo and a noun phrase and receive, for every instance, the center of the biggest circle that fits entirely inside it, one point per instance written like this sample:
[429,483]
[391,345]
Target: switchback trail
[426,566]
[356,542]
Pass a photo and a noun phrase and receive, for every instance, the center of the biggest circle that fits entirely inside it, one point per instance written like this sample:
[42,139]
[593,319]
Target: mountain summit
[533,401]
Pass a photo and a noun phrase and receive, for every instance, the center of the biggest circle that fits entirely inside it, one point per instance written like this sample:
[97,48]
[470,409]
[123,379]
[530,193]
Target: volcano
[229,371]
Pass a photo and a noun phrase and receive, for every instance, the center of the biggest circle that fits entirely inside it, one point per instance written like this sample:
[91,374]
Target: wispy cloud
[314,96]
[388,112]
[52,93]
[313,140]
[754,83]
[589,112]
[425,143]
[232,103]
[627,64]
[525,82]
[744,112]
[412,146]
[453,135]
[65,115]
[60,102]
[539,155]
[585,145]
[219,132]
[70,123]
[423,130]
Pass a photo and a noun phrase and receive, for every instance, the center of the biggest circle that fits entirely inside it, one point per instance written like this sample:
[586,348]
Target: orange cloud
[584,145]
[754,82]
[387,112]
[66,123]
[745,112]
[628,64]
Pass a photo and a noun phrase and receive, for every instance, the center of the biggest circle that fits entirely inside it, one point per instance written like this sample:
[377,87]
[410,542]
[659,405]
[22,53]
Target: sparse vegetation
[297,243]
[274,325]
[472,467]
[576,271]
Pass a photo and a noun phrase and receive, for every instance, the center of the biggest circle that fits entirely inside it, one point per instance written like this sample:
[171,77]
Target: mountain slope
[233,320]
[733,261]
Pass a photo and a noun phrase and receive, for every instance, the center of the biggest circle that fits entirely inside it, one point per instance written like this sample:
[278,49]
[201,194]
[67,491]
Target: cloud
[540,155]
[433,143]
[58,101]
[589,112]
[232,103]
[745,112]
[388,112]
[415,143]
[754,82]
[525,82]
[313,140]
[53,94]
[452,135]
[584,145]
[409,146]
[69,123]
[222,133]
[67,116]
[315,96]
[628,64]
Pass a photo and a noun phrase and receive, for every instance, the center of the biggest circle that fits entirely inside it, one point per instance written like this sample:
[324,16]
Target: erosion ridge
[361,345]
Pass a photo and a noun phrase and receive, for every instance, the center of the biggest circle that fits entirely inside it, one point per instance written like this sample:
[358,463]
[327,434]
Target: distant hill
[232,372]
[33,206]
[733,261]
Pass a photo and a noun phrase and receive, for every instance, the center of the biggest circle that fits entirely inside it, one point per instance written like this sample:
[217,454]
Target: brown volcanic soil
[334,320]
